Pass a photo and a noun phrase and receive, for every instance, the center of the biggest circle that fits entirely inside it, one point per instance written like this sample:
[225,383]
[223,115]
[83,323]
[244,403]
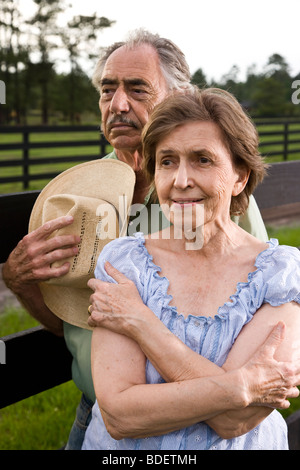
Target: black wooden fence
[283,143]
[26,161]
[286,144]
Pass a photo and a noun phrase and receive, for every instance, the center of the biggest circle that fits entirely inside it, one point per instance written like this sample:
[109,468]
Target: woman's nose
[183,177]
[119,103]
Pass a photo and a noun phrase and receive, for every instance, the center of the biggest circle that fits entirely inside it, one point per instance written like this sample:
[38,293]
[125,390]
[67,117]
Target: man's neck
[134,159]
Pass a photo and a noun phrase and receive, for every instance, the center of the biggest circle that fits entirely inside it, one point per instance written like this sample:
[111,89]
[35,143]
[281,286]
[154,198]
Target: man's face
[132,85]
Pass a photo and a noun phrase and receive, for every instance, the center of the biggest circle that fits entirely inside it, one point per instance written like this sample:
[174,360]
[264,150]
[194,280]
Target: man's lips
[121,123]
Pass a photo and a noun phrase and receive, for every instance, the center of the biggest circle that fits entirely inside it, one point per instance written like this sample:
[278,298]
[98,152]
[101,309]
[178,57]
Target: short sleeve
[126,254]
[277,279]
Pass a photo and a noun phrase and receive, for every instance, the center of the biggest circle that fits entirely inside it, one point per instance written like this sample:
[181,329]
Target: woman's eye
[166,162]
[204,160]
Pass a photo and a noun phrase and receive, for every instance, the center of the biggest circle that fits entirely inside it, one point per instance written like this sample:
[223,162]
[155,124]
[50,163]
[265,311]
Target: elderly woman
[188,355]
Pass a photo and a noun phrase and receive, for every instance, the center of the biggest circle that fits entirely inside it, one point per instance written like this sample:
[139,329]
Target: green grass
[43,421]
[286,235]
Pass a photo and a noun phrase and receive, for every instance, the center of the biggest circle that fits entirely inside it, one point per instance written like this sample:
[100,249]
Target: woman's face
[194,173]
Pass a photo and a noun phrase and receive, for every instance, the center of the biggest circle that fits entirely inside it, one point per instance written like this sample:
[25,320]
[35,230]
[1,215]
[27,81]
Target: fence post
[25,159]
[286,141]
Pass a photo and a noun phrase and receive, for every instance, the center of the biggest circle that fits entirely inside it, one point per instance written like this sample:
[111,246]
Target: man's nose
[119,103]
[183,176]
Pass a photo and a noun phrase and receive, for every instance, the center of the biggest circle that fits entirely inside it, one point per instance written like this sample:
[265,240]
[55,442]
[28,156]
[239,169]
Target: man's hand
[30,262]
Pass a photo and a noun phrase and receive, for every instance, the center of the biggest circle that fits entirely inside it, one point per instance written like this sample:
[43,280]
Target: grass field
[43,421]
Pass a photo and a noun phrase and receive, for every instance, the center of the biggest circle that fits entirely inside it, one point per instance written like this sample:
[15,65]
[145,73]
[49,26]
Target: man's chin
[125,143]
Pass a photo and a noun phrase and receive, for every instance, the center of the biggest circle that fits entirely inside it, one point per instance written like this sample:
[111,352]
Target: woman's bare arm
[131,408]
[174,360]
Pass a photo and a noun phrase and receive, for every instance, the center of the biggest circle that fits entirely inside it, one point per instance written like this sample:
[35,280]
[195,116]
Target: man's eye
[138,91]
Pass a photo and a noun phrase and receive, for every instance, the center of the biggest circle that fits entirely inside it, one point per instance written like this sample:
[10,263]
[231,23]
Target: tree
[13,56]
[199,78]
[80,40]
[46,35]
[269,98]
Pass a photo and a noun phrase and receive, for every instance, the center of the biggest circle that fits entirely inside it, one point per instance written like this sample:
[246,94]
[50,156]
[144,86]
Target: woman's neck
[212,239]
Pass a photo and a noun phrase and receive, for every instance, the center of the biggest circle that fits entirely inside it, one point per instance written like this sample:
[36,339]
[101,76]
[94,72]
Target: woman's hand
[117,307]
[269,382]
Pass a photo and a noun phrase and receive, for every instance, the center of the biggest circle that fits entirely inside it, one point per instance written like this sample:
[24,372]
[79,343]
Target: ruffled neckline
[224,310]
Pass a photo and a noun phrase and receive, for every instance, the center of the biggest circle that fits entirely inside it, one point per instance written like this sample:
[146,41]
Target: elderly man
[132,78]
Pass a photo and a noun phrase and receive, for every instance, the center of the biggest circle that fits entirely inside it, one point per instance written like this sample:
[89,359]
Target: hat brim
[104,179]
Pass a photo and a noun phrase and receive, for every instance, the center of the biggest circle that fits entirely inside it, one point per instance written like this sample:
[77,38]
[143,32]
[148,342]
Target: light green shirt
[78,340]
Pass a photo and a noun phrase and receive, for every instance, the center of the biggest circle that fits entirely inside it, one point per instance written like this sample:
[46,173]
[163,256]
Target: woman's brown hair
[211,105]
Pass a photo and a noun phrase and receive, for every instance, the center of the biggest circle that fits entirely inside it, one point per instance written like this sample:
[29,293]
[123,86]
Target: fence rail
[280,146]
[27,161]
[285,133]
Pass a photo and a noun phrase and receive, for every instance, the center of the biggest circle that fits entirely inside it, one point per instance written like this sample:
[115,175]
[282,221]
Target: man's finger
[49,227]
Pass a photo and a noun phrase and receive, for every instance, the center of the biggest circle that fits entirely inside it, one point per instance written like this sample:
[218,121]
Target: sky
[214,35]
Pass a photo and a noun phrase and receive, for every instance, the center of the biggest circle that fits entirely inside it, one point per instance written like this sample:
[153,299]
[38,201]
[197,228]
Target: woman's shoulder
[279,257]
[278,273]
[124,253]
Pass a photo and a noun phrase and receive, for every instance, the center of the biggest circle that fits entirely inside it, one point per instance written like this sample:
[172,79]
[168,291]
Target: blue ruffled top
[276,281]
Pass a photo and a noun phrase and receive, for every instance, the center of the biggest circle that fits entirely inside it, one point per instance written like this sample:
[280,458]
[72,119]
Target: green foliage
[29,61]
[267,93]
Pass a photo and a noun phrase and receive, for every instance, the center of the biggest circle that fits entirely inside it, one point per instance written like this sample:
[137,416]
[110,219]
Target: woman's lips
[186,202]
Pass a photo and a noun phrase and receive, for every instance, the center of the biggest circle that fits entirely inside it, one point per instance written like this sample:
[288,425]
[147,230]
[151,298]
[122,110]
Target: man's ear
[243,174]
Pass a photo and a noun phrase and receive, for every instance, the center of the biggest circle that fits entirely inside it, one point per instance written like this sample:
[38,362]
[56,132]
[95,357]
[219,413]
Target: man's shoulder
[112,155]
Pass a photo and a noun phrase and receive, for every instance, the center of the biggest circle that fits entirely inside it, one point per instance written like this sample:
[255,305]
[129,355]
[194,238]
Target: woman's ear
[243,174]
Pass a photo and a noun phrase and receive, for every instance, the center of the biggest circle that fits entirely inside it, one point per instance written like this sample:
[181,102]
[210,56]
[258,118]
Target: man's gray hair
[172,60]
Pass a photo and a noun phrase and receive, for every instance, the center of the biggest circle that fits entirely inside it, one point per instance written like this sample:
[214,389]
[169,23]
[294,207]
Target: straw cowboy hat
[98,194]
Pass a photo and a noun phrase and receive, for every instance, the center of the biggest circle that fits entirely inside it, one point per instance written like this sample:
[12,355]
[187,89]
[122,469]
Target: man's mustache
[122,120]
